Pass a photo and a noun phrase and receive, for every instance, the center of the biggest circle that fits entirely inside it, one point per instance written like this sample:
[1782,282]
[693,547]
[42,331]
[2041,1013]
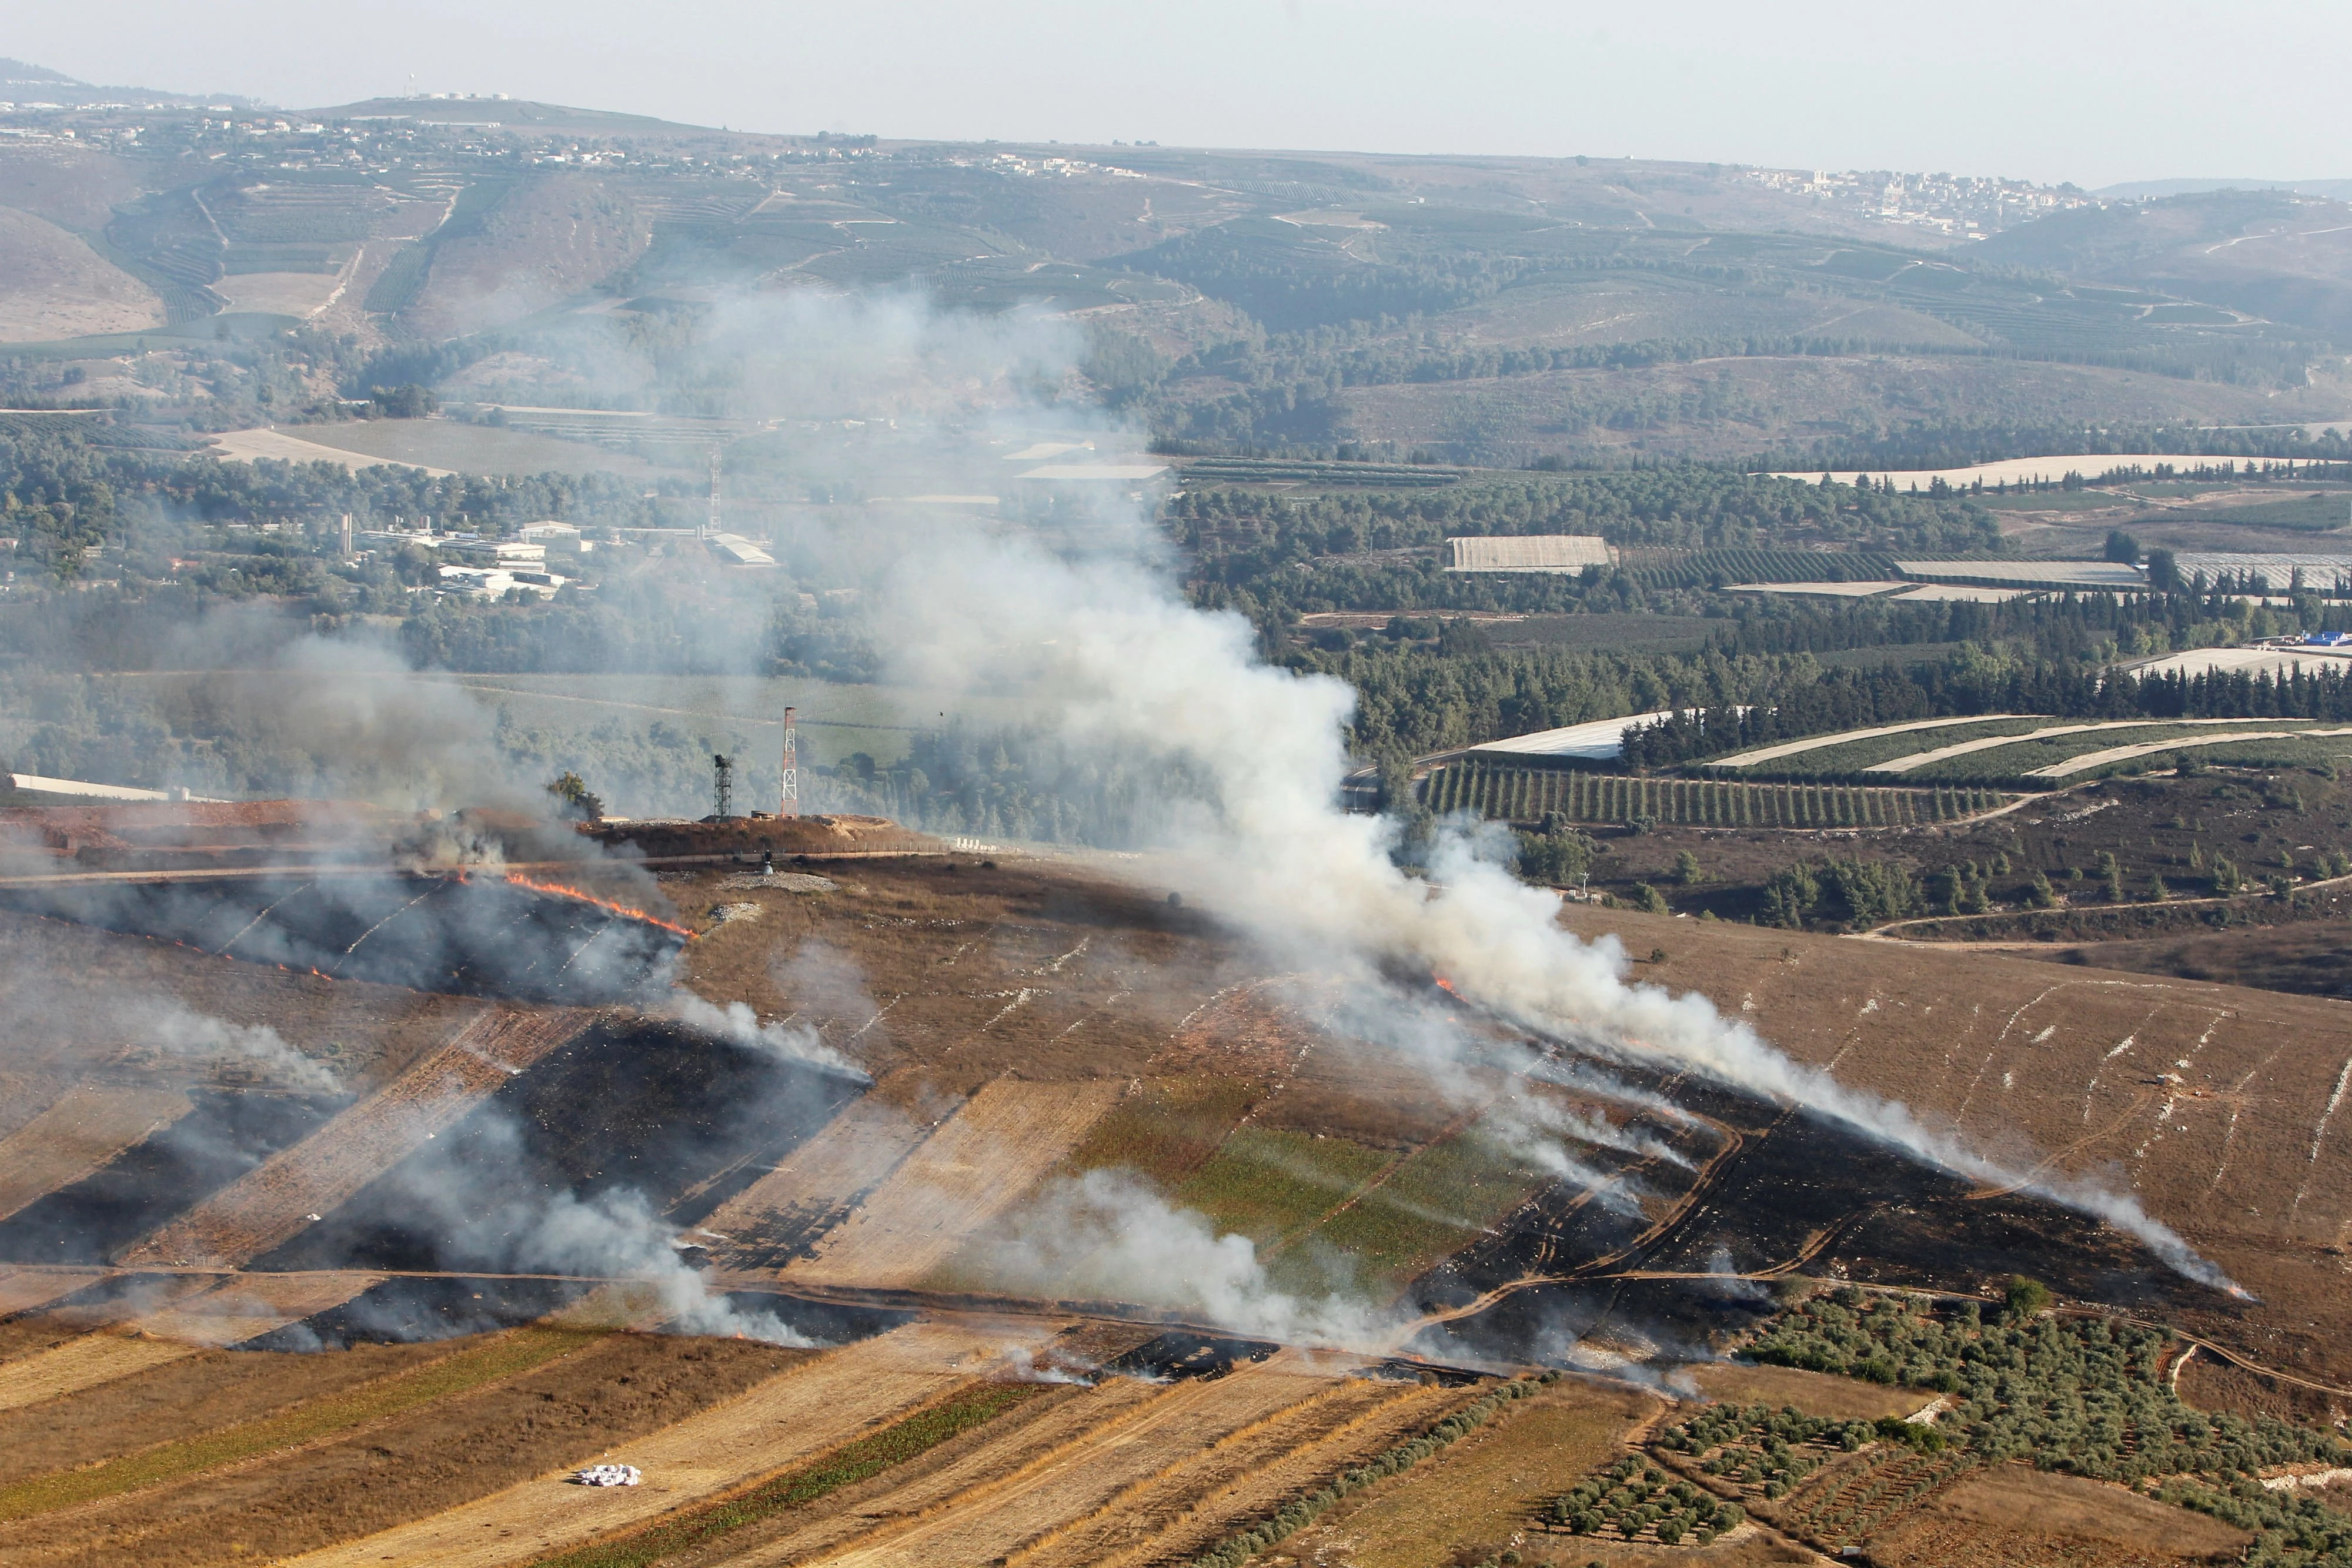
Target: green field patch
[797,1487]
[501,1356]
[2013,761]
[1267,1185]
[1436,1203]
[1168,1129]
[2325,512]
[1854,756]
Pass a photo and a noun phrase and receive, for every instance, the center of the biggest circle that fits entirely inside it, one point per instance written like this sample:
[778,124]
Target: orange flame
[1445,985]
[518,880]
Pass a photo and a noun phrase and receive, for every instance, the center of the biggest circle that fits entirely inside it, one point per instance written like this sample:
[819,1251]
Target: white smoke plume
[738,1022]
[1108,1236]
[202,1040]
[617,1235]
[1106,646]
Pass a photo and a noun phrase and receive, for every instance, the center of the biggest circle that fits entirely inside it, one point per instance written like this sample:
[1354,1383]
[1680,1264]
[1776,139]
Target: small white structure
[608,1476]
[494,552]
[1530,552]
[495,582]
[737,550]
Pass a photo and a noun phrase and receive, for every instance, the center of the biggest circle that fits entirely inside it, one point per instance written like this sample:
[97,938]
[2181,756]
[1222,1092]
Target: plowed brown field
[271,1202]
[970,1172]
[86,1127]
[921,1489]
[80,1363]
[826,1400]
[22,1289]
[195,1394]
[1468,1502]
[1172,1517]
[366,1479]
[2224,1109]
[995,1523]
[2013,1518]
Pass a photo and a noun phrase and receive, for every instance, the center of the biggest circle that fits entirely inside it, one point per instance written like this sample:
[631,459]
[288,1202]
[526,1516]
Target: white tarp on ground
[2084,573]
[1529,552]
[2278,569]
[1601,737]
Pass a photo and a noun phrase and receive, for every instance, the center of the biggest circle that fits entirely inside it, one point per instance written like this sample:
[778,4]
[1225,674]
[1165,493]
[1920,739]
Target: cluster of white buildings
[1968,207]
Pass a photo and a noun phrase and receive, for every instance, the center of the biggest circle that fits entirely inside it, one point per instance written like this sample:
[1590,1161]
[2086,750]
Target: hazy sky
[2059,89]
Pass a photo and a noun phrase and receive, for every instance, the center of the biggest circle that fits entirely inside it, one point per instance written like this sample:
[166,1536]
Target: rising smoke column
[1106,646]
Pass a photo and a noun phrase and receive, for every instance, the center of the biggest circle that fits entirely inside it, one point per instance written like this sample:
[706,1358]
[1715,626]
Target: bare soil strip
[975,1167]
[270,1203]
[1003,1520]
[80,1363]
[816,1184]
[246,1305]
[22,1289]
[820,1404]
[88,1126]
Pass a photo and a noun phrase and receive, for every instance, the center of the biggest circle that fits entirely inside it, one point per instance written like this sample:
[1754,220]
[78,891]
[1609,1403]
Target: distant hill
[511,111]
[22,82]
[2142,190]
[2272,253]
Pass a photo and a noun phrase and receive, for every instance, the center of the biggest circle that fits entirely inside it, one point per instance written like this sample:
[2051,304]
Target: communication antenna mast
[722,785]
[790,805]
[712,527]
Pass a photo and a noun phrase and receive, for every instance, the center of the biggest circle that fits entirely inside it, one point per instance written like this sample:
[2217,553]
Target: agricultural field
[1493,787]
[971,1170]
[2020,752]
[453,447]
[1031,1022]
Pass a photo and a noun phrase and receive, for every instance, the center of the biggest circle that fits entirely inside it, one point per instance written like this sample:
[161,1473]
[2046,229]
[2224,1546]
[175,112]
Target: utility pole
[790,804]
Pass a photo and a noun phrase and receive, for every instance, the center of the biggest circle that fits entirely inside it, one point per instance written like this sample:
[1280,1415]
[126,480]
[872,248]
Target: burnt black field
[1796,1184]
[630,1118]
[464,936]
[224,1134]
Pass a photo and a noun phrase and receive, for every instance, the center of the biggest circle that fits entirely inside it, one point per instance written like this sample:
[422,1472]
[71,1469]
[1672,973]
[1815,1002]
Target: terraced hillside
[918,1216]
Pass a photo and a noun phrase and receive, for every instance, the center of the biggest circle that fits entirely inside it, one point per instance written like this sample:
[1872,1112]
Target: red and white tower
[790,805]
